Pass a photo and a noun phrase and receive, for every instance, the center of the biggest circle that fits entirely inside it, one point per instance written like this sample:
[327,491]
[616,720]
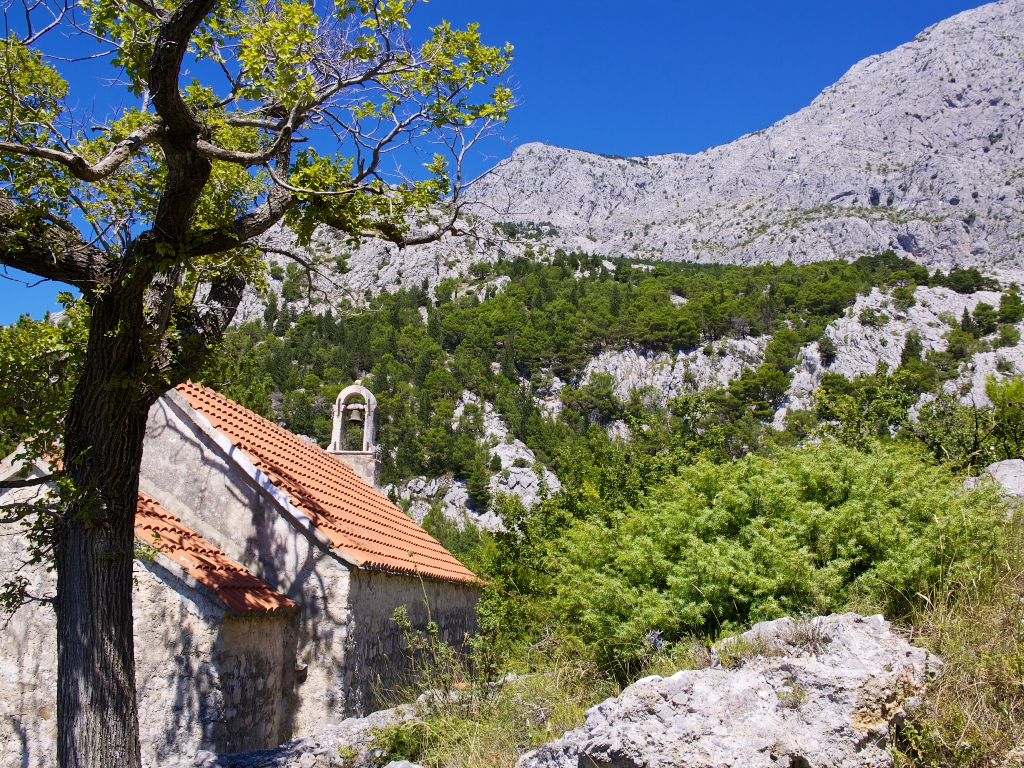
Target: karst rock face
[827,694]
[918,148]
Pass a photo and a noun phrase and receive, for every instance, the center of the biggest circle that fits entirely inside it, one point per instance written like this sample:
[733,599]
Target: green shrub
[827,350]
[903,298]
[1011,307]
[1009,336]
[721,546]
[872,318]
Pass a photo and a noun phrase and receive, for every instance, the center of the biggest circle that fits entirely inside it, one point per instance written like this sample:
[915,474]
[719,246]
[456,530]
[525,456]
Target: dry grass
[491,725]
[973,716]
[806,635]
[692,654]
[467,722]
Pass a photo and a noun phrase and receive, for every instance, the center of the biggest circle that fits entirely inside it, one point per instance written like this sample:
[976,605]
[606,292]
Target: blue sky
[653,76]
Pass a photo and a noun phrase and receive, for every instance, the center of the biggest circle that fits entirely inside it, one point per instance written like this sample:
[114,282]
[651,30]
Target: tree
[985,318]
[156,215]
[1011,308]
[478,486]
[827,350]
[913,347]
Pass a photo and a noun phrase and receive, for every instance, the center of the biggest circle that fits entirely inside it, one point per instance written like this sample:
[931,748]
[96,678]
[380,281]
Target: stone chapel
[264,596]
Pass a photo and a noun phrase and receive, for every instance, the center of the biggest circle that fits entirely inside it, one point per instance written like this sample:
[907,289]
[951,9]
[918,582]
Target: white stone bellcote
[357,405]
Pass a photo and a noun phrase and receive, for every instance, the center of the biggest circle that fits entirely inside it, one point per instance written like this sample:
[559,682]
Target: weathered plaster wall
[28,660]
[365,464]
[176,632]
[192,476]
[205,680]
[375,649]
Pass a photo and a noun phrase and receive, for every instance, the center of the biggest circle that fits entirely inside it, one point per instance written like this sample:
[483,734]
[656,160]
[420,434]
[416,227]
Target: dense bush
[719,546]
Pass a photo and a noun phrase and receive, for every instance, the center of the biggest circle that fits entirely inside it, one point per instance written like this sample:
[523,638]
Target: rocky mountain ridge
[917,149]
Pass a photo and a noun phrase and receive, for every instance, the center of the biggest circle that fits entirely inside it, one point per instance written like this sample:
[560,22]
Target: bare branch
[27,509]
[248,159]
[78,165]
[152,9]
[37,242]
[26,482]
[311,270]
[312,192]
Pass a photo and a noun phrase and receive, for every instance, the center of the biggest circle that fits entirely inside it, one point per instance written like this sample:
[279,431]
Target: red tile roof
[358,520]
[239,590]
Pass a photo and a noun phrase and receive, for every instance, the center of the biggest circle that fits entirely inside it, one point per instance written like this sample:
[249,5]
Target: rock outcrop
[827,694]
[874,331]
[670,375]
[520,474]
[1008,474]
[348,744]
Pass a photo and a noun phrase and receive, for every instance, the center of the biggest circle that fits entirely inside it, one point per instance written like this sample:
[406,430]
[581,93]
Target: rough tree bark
[94,550]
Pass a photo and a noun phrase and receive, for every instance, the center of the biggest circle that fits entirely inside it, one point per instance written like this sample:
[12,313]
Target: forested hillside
[508,330]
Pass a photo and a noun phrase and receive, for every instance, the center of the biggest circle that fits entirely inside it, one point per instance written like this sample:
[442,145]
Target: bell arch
[348,408]
[356,404]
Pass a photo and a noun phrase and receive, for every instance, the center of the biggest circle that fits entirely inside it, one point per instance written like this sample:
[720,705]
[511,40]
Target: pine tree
[827,350]
[912,347]
[1011,308]
[967,324]
[478,486]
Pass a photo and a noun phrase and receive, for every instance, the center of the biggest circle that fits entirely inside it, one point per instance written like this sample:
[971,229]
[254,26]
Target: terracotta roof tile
[357,519]
[238,589]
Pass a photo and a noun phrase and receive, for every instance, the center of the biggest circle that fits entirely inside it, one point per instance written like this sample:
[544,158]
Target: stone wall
[28,661]
[376,661]
[256,664]
[205,680]
[176,633]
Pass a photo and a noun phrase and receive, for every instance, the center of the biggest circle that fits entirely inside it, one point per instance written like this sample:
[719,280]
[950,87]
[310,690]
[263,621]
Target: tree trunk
[97,719]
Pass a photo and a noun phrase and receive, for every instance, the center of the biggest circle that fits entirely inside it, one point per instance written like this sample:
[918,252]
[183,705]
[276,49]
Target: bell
[355,415]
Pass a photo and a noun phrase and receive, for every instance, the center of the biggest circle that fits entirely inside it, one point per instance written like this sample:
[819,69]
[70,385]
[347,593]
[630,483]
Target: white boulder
[827,694]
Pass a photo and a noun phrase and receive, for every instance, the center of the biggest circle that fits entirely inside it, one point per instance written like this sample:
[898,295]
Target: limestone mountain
[919,149]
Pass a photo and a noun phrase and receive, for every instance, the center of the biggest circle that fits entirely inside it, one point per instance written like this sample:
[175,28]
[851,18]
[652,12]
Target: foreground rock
[827,694]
